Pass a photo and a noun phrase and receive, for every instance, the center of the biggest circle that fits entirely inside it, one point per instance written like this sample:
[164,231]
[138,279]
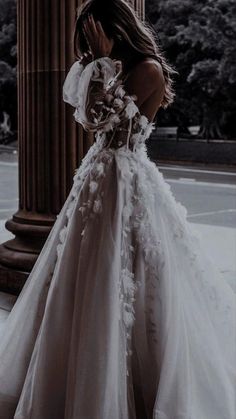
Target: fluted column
[51,144]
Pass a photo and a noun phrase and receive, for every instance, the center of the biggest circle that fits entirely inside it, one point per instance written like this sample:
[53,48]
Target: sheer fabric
[122,303]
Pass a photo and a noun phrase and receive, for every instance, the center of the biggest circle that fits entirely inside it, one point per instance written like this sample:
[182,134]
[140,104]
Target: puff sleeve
[98,96]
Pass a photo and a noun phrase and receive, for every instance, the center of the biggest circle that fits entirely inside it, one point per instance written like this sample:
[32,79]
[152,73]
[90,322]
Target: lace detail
[78,180]
[91,206]
[137,233]
[128,286]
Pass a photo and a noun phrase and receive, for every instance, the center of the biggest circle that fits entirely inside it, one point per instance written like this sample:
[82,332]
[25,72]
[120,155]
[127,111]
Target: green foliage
[198,37]
[8,60]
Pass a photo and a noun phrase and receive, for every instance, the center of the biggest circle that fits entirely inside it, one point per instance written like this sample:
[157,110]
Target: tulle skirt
[123,315]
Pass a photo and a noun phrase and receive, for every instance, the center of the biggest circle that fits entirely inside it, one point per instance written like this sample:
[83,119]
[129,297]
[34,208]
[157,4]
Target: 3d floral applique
[93,186]
[131,109]
[97,206]
[79,177]
[91,203]
[120,91]
[98,170]
[118,103]
[128,291]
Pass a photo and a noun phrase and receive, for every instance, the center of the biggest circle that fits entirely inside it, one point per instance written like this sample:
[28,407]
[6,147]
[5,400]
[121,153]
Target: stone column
[51,144]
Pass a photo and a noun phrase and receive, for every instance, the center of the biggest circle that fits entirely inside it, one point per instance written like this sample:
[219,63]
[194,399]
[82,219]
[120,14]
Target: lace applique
[127,288]
[127,285]
[91,206]
[78,180]
[137,232]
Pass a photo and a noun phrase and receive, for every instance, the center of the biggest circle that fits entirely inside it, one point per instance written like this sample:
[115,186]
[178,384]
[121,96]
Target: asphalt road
[8,189]
[208,195]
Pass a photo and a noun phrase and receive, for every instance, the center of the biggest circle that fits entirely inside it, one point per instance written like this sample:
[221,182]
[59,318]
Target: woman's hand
[99,44]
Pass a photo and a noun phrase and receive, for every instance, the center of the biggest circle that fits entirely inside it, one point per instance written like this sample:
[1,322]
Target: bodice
[131,134]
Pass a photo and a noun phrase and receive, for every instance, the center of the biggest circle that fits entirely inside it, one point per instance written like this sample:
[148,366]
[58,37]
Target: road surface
[208,195]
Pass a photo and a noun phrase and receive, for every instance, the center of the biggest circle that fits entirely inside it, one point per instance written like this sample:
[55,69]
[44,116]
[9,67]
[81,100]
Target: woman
[122,317]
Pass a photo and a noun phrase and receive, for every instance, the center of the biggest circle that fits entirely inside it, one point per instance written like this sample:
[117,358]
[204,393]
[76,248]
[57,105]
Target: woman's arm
[97,94]
[96,91]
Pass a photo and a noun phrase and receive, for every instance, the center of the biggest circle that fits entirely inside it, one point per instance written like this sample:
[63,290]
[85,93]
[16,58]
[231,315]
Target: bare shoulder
[146,80]
[150,69]
[149,72]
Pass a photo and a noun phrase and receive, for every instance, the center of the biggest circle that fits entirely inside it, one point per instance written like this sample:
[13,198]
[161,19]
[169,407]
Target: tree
[8,60]
[198,36]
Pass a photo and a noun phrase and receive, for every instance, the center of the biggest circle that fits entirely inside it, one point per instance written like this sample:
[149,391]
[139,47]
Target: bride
[123,316]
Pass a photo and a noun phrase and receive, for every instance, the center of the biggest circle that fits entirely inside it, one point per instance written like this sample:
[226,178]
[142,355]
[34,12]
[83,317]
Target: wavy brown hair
[130,34]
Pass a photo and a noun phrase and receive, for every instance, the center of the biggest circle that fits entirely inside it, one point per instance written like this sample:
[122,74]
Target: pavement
[220,244]
[209,195]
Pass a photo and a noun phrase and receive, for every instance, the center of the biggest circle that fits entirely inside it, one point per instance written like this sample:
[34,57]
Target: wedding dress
[122,308]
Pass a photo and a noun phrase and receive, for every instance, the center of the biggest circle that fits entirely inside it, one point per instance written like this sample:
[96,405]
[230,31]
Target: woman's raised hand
[99,44]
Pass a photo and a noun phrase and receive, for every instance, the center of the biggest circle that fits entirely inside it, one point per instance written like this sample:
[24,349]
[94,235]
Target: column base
[18,256]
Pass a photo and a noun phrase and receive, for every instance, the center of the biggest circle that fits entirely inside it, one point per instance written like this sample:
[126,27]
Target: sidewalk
[220,244]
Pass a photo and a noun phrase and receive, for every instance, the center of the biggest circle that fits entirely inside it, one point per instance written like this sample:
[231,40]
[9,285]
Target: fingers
[87,33]
[100,28]
[90,29]
[95,36]
[93,25]
[87,40]
[91,34]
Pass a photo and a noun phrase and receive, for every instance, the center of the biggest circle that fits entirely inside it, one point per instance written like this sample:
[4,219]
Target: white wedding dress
[122,308]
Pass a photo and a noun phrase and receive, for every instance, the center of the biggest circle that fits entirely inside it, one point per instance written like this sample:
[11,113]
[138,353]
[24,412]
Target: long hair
[121,22]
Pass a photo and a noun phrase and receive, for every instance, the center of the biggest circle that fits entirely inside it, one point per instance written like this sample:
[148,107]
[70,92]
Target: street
[210,199]
[8,188]
[208,195]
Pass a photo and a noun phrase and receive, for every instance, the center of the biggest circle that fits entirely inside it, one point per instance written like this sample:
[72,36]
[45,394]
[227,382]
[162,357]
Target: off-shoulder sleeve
[98,95]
